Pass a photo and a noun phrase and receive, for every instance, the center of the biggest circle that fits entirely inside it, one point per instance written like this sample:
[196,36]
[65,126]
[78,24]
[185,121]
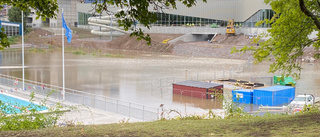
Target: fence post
[158,114]
[73,96]
[57,95]
[129,109]
[161,92]
[117,105]
[94,101]
[143,113]
[82,99]
[105,103]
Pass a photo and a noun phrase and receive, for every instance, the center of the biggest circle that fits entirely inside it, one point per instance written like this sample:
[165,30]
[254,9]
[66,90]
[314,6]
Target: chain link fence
[266,80]
[105,103]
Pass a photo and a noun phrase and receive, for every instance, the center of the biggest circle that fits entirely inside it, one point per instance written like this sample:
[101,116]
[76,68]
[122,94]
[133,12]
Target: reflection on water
[138,78]
[198,102]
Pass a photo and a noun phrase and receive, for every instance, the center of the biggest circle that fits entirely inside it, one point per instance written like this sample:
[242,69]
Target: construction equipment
[230,28]
[285,81]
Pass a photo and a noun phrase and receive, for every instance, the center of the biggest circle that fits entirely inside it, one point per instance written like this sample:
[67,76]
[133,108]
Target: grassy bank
[306,124]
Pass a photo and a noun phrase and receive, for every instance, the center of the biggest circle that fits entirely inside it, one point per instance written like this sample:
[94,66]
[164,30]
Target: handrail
[74,90]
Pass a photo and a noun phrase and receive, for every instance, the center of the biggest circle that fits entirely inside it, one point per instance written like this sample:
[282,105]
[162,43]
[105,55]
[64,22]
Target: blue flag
[68,30]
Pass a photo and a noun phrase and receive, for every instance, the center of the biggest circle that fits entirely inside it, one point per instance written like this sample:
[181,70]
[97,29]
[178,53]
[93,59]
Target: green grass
[306,124]
[78,52]
[114,55]
[37,50]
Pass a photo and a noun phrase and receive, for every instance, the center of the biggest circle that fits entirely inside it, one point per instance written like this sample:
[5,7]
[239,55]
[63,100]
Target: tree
[293,22]
[135,10]
[14,14]
[44,9]
[138,10]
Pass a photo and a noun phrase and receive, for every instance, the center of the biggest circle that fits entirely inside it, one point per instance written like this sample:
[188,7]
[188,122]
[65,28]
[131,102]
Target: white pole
[63,82]
[22,51]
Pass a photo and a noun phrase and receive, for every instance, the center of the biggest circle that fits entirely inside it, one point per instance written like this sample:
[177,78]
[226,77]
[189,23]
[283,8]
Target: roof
[198,84]
[275,88]
[7,23]
[307,95]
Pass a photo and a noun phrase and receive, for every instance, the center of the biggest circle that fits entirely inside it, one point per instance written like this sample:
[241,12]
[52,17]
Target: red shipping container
[197,89]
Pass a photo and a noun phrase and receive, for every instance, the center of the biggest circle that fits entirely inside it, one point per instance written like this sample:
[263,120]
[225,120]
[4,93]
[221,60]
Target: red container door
[190,91]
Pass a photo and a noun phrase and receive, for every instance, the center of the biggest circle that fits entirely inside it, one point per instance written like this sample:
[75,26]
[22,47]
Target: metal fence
[125,108]
[266,80]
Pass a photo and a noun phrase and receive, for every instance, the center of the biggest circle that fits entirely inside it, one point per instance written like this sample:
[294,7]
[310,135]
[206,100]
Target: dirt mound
[41,37]
[130,43]
[38,33]
[232,40]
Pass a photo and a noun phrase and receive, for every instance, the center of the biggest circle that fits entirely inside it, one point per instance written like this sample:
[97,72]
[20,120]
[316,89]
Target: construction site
[195,44]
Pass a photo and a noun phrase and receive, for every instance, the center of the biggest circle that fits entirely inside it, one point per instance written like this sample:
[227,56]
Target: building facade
[11,28]
[244,12]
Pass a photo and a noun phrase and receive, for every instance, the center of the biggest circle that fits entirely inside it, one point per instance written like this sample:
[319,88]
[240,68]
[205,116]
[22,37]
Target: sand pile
[41,37]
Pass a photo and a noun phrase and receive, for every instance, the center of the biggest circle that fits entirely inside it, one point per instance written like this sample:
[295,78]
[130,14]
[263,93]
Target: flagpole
[22,51]
[63,82]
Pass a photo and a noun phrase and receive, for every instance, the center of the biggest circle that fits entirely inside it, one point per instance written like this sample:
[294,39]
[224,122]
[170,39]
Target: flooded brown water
[143,78]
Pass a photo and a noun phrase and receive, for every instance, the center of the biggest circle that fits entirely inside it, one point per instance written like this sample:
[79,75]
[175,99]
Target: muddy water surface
[143,78]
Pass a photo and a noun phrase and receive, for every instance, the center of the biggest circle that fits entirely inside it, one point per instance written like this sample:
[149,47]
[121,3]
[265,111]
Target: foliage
[3,40]
[27,117]
[233,110]
[124,121]
[293,22]
[310,108]
[44,9]
[14,14]
[279,125]
[13,39]
[138,10]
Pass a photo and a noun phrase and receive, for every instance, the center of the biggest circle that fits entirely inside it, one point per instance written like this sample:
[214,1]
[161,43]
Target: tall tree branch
[304,9]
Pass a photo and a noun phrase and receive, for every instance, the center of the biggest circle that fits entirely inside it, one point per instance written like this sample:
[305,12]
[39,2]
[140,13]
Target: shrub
[27,117]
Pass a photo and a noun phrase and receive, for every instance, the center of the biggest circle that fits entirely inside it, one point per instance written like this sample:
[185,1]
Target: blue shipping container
[242,96]
[274,95]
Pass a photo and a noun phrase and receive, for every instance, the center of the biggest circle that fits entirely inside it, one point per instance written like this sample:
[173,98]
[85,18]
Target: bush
[27,117]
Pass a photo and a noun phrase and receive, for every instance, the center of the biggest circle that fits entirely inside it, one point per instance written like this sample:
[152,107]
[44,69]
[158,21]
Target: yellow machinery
[230,28]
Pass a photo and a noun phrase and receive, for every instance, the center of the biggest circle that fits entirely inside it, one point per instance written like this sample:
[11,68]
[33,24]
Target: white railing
[105,103]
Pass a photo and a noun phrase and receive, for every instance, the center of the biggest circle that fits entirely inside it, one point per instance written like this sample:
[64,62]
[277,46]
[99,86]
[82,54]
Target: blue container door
[284,97]
[264,98]
[242,96]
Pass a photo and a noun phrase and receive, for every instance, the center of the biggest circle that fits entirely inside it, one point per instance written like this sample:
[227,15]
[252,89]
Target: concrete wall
[69,11]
